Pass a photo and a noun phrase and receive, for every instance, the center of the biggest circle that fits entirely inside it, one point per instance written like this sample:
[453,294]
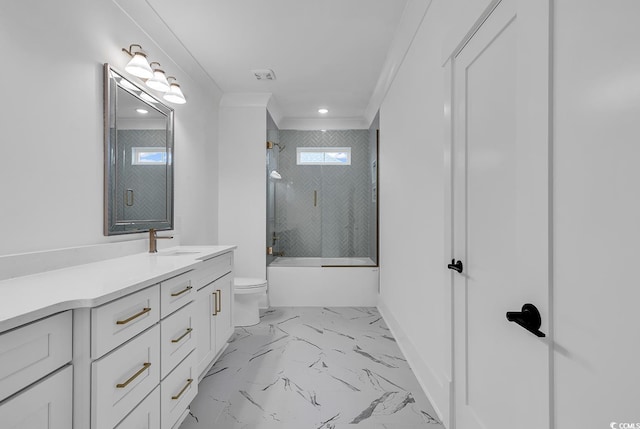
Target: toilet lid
[248,283]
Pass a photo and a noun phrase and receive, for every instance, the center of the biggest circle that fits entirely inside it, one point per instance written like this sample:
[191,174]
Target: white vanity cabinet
[178,343]
[214,310]
[35,375]
[224,313]
[125,348]
[45,405]
[118,345]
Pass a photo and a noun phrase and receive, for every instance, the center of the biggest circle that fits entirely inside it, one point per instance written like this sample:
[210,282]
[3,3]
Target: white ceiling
[325,53]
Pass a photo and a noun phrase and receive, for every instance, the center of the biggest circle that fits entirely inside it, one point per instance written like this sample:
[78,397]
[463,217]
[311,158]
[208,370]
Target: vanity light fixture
[174,95]
[323,111]
[159,80]
[138,65]
[153,76]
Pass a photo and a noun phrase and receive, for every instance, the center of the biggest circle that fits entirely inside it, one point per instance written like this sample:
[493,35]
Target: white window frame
[301,150]
[135,151]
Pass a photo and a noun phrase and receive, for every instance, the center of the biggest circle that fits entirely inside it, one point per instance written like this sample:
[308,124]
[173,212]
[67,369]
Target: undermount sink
[178,253]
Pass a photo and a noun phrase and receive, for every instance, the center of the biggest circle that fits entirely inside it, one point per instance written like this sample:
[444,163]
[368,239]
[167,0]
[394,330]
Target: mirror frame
[113,225]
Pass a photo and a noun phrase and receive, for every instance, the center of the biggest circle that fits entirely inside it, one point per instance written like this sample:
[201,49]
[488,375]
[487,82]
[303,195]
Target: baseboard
[438,391]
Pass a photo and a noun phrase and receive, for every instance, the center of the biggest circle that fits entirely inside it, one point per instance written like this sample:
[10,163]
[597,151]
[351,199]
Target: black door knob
[455,266]
[528,318]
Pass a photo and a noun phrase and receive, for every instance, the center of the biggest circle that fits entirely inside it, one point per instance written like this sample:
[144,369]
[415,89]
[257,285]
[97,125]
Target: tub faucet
[153,245]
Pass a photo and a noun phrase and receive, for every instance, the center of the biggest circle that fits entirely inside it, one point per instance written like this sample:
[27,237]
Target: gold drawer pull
[189,381]
[219,301]
[187,289]
[133,377]
[135,316]
[177,340]
[215,303]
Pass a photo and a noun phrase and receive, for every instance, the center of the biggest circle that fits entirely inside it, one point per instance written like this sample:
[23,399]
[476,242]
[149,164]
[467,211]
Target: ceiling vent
[264,74]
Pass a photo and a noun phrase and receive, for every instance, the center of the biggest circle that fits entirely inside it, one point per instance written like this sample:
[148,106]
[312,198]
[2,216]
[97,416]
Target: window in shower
[148,156]
[323,155]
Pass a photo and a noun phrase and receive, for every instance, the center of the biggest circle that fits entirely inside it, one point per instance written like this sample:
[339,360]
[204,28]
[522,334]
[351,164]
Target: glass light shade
[158,81]
[175,94]
[139,66]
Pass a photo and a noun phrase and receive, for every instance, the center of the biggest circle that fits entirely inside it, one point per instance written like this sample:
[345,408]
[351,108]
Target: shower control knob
[455,266]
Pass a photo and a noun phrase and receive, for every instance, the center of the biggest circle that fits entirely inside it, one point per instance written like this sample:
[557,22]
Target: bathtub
[323,282]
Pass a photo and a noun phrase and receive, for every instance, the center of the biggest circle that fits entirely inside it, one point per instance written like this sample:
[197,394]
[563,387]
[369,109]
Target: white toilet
[246,295]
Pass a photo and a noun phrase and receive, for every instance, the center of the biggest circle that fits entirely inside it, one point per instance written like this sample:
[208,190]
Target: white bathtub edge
[323,286]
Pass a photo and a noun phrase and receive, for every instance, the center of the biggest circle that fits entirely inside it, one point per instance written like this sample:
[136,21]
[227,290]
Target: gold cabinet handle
[187,289]
[134,376]
[177,340]
[135,316]
[189,381]
[219,301]
[215,303]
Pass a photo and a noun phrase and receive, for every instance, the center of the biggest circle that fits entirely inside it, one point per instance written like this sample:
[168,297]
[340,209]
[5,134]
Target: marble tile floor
[315,368]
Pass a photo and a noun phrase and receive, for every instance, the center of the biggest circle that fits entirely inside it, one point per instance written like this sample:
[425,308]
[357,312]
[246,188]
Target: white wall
[411,209]
[595,207]
[242,195]
[596,212]
[51,179]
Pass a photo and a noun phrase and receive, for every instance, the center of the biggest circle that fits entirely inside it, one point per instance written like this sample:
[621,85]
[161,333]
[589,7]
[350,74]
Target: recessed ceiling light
[143,111]
[323,111]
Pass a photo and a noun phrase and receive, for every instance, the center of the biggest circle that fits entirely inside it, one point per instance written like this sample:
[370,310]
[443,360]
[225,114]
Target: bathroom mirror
[138,144]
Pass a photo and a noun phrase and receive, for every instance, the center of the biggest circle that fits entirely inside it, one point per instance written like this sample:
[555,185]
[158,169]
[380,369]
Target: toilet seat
[245,285]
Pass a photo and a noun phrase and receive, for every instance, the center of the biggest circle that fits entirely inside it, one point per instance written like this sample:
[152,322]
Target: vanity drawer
[114,323]
[177,338]
[177,391]
[176,292]
[121,379]
[30,352]
[144,416]
[45,405]
[212,269]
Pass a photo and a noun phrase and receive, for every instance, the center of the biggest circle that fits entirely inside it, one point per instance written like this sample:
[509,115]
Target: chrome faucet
[153,244]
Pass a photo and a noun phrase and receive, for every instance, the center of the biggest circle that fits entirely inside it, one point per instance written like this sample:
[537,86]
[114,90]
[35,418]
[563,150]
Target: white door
[501,220]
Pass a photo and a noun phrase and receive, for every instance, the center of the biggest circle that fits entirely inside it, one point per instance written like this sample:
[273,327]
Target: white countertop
[26,299]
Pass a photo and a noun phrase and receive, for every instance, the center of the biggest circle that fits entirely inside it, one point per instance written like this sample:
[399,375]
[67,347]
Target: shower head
[270,145]
[275,175]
